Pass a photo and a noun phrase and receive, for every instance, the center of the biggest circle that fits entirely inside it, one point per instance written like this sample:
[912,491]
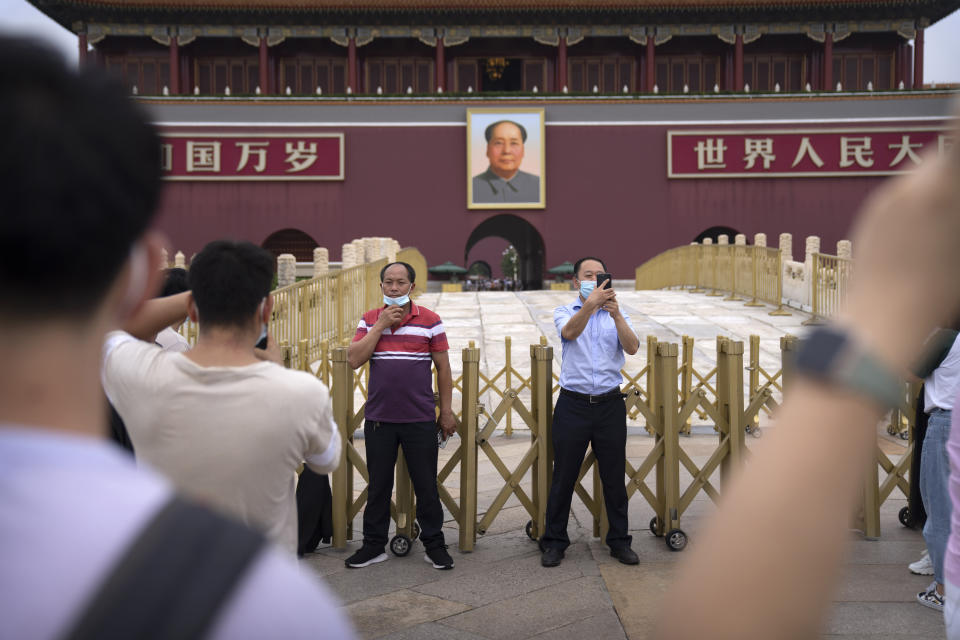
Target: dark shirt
[488,187]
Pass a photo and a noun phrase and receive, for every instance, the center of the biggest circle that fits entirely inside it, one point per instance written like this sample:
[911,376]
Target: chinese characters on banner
[252,156]
[793,153]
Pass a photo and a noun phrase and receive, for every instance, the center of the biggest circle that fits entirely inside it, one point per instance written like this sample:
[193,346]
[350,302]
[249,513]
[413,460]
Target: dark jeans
[419,442]
[603,425]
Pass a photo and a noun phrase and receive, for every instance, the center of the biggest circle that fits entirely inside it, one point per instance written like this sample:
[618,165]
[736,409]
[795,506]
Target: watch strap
[833,355]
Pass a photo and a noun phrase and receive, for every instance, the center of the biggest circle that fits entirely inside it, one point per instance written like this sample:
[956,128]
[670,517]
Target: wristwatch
[831,355]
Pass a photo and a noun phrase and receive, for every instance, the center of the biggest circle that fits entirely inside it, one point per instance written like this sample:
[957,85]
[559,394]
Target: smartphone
[605,276]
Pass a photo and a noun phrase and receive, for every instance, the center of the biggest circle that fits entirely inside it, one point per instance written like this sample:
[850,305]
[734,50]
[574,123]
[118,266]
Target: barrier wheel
[905,517]
[676,540]
[529,529]
[400,545]
[653,526]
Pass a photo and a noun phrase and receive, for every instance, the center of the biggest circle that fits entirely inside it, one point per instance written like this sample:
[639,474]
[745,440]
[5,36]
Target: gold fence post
[686,380]
[304,357]
[468,446]
[788,348]
[754,370]
[697,257]
[732,252]
[338,307]
[304,306]
[779,311]
[871,498]
[814,293]
[508,430]
[324,369]
[666,411]
[730,404]
[651,378]
[342,392]
[541,396]
[755,251]
[403,485]
[713,293]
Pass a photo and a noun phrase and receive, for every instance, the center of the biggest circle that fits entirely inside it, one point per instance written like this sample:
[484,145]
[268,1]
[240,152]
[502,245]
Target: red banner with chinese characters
[251,156]
[799,153]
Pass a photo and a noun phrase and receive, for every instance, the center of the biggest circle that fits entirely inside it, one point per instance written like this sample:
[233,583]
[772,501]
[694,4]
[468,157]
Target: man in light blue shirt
[590,409]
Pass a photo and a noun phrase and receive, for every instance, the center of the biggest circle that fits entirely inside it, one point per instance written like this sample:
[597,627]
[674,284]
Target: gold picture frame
[496,177]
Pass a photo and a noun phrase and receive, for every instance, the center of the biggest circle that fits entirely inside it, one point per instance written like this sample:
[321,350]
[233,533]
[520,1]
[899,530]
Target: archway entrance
[715,232]
[294,241]
[525,239]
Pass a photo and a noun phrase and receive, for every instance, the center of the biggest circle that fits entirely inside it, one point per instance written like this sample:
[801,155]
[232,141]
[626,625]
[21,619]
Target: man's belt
[607,396]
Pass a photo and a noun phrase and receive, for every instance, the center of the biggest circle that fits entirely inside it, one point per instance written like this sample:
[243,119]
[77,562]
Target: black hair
[489,130]
[576,265]
[80,178]
[174,281]
[229,280]
[411,274]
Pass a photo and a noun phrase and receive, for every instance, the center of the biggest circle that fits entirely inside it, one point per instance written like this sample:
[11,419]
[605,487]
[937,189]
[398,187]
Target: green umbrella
[448,268]
[562,269]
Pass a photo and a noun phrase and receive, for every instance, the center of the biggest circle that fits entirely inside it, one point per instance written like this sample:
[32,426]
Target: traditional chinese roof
[549,11]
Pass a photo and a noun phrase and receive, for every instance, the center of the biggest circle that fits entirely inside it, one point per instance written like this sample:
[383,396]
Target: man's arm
[157,314]
[578,321]
[625,333]
[441,360]
[360,351]
[798,514]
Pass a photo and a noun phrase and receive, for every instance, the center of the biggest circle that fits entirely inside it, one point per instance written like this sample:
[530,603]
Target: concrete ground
[501,591]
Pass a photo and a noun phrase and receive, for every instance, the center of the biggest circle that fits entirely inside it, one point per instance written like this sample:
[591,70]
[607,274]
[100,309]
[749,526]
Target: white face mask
[400,300]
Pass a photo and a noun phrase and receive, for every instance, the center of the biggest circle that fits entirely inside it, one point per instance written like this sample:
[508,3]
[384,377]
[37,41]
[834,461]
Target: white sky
[941,61]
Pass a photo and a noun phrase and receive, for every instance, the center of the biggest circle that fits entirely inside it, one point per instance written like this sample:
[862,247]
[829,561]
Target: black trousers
[603,425]
[419,442]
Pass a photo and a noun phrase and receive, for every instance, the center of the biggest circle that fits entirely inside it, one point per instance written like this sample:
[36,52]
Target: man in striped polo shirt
[401,340]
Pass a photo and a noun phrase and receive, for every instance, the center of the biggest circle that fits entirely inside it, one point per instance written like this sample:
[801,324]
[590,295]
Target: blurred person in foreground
[79,169]
[780,583]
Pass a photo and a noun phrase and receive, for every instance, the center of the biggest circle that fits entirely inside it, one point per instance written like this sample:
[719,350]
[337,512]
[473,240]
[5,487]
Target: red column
[82,44]
[174,65]
[352,65]
[827,74]
[264,76]
[561,64]
[441,65]
[651,63]
[918,60]
[738,63]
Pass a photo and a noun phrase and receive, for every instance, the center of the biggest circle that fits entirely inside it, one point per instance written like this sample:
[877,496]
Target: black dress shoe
[551,557]
[625,555]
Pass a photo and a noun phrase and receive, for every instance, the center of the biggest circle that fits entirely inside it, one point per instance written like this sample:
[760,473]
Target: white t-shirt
[71,505]
[228,437]
[940,387]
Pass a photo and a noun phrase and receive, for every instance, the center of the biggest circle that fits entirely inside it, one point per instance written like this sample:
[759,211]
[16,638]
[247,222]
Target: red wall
[607,195]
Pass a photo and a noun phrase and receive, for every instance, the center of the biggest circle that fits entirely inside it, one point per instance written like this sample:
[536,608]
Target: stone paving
[501,591]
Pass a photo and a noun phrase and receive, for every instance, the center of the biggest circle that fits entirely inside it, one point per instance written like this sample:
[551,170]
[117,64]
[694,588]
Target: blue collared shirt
[591,363]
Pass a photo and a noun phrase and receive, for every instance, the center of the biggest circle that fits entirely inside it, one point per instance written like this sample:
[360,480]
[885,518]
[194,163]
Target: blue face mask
[400,300]
[587,287]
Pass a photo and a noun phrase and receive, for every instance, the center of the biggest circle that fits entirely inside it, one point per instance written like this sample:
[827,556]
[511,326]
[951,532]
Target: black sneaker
[365,557]
[439,558]
[551,557]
